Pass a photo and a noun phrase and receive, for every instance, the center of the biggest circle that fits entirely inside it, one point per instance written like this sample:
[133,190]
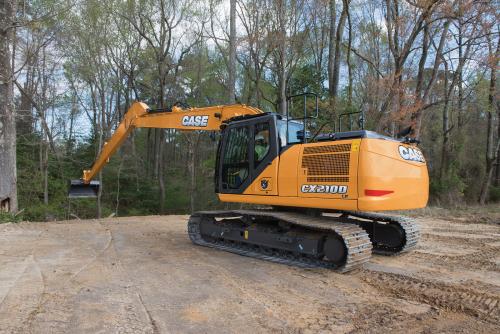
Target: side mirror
[405,132]
[301,137]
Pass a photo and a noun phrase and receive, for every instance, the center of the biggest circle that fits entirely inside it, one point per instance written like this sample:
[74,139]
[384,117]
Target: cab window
[261,142]
[235,164]
[294,128]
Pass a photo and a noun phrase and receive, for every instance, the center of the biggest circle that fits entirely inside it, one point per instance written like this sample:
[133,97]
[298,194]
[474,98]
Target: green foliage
[494,194]
[7,217]
[306,79]
[448,189]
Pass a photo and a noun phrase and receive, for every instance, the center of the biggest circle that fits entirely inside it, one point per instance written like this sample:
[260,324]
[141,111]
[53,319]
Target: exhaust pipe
[78,189]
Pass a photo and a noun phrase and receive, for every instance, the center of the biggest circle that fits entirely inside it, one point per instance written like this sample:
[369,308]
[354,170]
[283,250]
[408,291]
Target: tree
[8,176]
[336,60]
[254,57]
[401,46]
[287,30]
[159,28]
[492,145]
[331,49]
[318,19]
[232,52]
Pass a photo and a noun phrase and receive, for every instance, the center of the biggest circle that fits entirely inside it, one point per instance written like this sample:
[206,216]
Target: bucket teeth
[79,189]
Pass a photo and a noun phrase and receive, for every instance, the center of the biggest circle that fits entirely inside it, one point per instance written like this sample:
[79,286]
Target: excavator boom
[140,115]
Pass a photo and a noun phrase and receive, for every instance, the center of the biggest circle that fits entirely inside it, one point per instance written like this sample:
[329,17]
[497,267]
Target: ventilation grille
[328,149]
[328,179]
[327,163]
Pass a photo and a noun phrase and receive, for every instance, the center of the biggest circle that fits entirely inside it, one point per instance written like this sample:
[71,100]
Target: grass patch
[7,217]
[487,214]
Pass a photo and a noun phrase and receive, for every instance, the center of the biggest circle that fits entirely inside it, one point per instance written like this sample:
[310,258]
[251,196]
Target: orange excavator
[320,191]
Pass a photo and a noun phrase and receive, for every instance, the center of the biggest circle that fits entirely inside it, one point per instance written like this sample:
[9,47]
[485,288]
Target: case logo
[264,184]
[411,154]
[201,121]
[323,189]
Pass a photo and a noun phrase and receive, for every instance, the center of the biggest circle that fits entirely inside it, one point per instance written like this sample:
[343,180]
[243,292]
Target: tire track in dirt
[97,256]
[133,322]
[58,301]
[238,285]
[454,240]
[325,317]
[468,229]
[33,264]
[480,260]
[39,307]
[452,297]
[61,299]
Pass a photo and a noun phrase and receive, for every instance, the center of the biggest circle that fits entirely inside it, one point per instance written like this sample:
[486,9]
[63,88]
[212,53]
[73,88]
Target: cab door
[247,159]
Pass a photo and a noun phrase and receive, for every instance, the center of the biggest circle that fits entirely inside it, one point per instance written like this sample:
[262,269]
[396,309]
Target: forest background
[69,70]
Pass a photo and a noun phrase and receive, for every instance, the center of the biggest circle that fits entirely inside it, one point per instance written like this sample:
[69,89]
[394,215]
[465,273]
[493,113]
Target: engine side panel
[329,170]
[391,176]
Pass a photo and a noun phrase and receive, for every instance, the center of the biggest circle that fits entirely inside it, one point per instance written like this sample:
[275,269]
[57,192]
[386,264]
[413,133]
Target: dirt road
[143,275]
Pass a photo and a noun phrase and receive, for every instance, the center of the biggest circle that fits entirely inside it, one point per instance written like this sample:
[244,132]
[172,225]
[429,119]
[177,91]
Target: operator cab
[250,144]
[246,148]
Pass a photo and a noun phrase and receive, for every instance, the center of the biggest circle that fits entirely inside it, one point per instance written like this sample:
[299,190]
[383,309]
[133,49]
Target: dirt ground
[143,275]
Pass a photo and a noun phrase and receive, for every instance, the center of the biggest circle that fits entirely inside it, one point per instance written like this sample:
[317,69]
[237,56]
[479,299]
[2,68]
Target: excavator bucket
[78,189]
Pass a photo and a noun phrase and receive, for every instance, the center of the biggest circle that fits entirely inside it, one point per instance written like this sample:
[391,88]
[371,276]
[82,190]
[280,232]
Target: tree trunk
[446,129]
[101,144]
[232,53]
[8,174]
[331,46]
[24,123]
[44,159]
[161,178]
[118,186]
[159,138]
[282,90]
[99,197]
[45,162]
[193,140]
[282,59]
[460,76]
[492,148]
[490,159]
[336,62]
[497,178]
[348,59]
[74,111]
[443,169]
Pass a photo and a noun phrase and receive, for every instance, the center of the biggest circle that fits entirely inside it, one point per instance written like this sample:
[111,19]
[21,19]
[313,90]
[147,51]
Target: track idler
[390,235]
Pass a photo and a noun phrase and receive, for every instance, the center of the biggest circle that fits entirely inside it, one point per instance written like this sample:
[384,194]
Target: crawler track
[409,230]
[356,240]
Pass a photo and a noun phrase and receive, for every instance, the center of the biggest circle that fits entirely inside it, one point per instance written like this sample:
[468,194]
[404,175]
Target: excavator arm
[140,115]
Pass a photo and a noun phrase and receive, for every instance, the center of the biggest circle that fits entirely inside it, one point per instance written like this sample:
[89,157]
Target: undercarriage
[340,242]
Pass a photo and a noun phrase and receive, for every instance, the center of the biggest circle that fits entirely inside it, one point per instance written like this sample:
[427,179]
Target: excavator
[315,197]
